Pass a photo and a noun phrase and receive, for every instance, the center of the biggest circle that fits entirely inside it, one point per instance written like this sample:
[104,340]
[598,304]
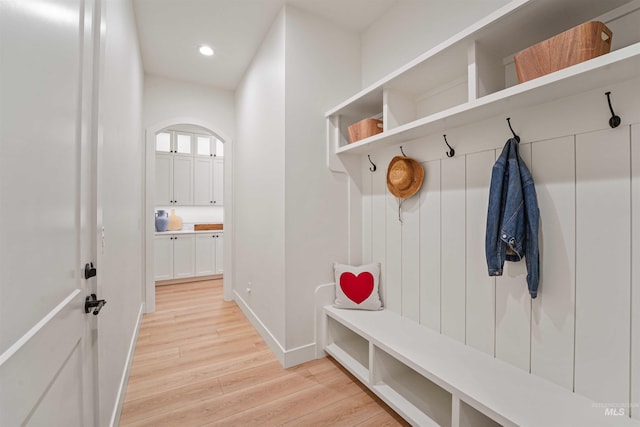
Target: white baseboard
[287,358]
[299,355]
[124,380]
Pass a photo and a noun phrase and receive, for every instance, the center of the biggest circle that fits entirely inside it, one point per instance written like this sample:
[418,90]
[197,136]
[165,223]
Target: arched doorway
[196,125]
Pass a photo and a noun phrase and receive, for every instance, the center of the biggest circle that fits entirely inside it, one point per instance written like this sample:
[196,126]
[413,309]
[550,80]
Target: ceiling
[170,32]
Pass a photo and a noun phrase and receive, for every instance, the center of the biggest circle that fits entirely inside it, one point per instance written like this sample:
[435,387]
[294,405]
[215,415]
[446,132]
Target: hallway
[199,362]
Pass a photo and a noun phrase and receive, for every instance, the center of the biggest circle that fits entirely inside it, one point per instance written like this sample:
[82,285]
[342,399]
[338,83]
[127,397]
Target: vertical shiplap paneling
[394,255]
[378,227]
[513,305]
[635,272]
[430,246]
[552,327]
[480,315]
[603,265]
[411,258]
[367,196]
[453,286]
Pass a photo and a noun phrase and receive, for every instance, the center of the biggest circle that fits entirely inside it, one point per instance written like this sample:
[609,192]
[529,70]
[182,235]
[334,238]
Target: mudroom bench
[433,380]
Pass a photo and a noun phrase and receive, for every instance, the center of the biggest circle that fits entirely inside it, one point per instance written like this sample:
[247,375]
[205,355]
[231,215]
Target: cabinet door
[219,148]
[182,180]
[218,182]
[202,182]
[183,144]
[164,179]
[163,142]
[184,248]
[205,254]
[219,253]
[163,257]
[205,145]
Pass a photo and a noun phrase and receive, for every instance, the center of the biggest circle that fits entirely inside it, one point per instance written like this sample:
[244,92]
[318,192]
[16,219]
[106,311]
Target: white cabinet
[218,179]
[164,142]
[208,181]
[208,146]
[189,169]
[205,254]
[164,179]
[182,180]
[183,144]
[202,181]
[163,257]
[183,256]
[174,180]
[171,142]
[209,254]
[174,256]
[219,253]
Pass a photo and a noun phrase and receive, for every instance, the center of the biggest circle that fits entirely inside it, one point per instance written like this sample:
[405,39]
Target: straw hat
[404,177]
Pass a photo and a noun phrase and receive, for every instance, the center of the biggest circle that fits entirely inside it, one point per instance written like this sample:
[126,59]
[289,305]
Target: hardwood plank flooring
[199,362]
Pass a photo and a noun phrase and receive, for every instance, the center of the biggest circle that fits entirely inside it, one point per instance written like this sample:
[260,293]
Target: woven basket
[364,129]
[576,45]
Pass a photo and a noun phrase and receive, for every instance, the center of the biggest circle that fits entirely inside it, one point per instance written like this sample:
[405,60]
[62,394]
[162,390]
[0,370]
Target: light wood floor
[199,362]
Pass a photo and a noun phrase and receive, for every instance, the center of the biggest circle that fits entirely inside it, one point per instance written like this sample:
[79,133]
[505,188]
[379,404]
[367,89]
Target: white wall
[166,99]
[259,162]
[291,211]
[308,205]
[120,263]
[322,68]
[412,27]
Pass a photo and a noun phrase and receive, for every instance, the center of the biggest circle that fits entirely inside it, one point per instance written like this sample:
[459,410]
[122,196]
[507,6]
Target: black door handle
[92,302]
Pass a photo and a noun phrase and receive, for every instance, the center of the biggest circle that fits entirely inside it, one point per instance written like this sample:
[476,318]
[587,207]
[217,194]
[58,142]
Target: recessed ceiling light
[205,50]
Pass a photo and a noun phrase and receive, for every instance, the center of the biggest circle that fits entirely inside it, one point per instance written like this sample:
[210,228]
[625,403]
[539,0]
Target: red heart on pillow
[357,288]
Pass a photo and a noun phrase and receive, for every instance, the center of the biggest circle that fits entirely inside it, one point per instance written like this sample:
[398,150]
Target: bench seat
[431,379]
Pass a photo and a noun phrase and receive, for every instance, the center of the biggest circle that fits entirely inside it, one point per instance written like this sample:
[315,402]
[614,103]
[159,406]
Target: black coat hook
[373,166]
[517,138]
[402,151]
[614,121]
[451,151]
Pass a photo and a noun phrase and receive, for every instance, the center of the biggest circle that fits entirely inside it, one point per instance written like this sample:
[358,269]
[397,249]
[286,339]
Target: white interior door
[47,362]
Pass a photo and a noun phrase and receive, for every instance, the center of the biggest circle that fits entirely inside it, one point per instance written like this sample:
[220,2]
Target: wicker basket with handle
[364,129]
[586,41]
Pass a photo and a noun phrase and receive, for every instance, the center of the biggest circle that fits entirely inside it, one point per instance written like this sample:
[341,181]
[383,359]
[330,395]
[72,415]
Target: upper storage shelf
[471,76]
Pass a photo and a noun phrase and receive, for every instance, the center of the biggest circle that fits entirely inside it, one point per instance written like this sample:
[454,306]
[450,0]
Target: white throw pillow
[357,287]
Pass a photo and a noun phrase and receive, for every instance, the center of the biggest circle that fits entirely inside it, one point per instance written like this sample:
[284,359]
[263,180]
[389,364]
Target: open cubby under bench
[431,379]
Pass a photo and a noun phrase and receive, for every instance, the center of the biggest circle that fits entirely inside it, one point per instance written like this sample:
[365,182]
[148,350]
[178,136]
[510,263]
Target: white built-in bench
[431,379]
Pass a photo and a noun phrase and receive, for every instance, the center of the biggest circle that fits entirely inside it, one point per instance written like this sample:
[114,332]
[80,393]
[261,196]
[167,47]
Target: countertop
[188,229]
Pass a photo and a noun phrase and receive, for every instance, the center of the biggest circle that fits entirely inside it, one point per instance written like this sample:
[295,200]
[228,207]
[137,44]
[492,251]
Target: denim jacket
[513,217]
